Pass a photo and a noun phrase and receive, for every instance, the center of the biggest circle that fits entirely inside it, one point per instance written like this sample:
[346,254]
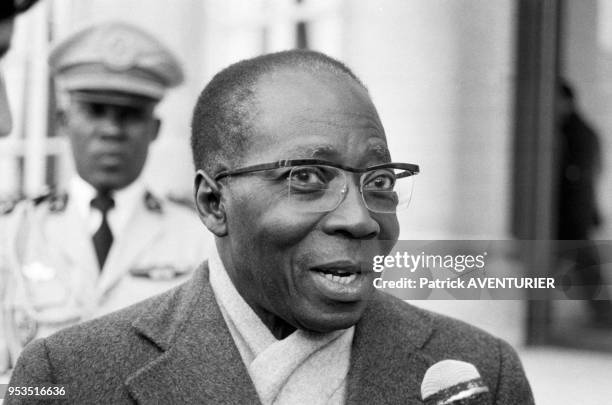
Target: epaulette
[7,206]
[153,203]
[56,201]
[43,197]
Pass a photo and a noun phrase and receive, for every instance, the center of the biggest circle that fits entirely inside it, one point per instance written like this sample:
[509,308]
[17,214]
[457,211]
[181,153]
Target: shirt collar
[81,194]
[126,199]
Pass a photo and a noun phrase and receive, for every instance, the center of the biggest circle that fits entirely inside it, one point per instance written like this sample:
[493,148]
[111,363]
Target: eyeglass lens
[319,188]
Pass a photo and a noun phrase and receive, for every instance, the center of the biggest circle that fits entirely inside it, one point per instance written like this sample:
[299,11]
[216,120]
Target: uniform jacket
[175,348]
[61,282]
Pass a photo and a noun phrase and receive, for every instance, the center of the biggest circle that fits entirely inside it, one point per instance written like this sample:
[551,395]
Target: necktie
[103,238]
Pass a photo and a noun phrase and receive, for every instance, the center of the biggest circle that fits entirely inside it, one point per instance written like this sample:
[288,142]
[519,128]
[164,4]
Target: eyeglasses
[315,185]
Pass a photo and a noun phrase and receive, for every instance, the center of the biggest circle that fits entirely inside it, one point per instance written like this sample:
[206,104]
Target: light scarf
[303,368]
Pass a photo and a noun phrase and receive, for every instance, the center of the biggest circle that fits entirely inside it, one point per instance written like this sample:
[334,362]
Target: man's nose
[111,124]
[351,218]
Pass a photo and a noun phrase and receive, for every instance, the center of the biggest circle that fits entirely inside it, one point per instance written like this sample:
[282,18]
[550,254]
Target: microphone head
[451,380]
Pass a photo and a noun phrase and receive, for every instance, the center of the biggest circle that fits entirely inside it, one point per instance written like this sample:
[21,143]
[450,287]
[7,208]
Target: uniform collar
[126,200]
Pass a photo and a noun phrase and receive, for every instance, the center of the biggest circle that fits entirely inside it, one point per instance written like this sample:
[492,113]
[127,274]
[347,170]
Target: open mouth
[340,281]
[338,276]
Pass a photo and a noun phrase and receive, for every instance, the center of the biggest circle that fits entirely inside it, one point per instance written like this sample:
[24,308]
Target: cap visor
[113,84]
[112,97]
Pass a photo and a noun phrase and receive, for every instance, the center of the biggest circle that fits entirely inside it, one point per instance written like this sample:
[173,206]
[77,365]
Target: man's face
[277,255]
[6,33]
[110,137]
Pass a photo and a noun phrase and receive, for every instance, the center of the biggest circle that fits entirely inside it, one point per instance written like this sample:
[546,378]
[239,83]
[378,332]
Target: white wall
[440,73]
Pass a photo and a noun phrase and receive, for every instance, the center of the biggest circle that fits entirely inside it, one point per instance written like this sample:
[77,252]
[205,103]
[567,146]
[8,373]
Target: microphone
[454,382]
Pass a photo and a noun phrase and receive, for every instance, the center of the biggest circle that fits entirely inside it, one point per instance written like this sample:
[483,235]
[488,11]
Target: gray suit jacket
[176,349]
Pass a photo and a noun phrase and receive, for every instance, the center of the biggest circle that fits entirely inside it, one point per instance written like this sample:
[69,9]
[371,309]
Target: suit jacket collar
[199,352]
[387,364]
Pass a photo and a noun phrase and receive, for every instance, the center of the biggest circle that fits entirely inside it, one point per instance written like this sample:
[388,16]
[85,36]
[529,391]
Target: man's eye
[133,114]
[311,176]
[95,109]
[381,180]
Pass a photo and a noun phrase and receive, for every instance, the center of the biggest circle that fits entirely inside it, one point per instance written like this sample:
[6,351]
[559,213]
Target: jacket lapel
[141,230]
[201,364]
[199,361]
[387,365]
[74,245]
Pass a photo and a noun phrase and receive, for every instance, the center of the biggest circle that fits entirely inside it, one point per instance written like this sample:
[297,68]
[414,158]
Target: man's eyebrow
[377,152]
[319,151]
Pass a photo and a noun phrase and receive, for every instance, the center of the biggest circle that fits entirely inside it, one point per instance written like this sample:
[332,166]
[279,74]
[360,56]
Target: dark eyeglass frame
[410,169]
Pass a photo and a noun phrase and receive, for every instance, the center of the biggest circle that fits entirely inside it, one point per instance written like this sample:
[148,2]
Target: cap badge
[118,52]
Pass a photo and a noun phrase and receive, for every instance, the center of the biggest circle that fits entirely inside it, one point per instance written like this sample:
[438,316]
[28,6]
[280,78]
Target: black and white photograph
[286,202]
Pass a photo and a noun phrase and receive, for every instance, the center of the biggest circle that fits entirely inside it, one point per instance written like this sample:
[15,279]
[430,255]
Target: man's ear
[208,204]
[156,125]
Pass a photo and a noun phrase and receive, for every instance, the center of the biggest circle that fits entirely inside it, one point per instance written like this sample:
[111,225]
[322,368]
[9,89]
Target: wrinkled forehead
[321,115]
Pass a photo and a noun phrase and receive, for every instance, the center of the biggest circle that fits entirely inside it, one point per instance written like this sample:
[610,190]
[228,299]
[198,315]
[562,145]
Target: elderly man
[294,179]
[107,241]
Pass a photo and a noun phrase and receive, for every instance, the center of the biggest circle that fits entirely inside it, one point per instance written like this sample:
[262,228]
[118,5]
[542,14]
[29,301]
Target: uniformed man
[107,241]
